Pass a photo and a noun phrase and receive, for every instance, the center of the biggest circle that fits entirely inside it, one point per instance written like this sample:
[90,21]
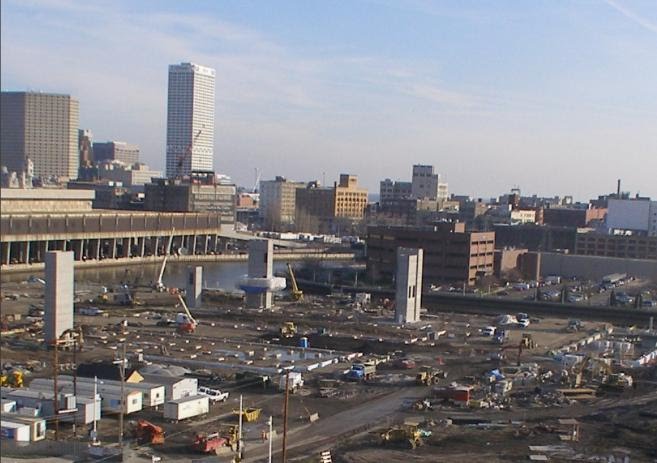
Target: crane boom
[187,312]
[297,294]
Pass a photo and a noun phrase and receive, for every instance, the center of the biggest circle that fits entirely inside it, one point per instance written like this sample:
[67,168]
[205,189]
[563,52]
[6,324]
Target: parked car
[649,304]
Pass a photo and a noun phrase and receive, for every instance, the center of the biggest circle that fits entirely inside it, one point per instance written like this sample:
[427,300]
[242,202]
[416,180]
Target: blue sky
[557,97]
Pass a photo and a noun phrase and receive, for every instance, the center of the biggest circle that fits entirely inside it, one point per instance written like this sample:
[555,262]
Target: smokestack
[618,189]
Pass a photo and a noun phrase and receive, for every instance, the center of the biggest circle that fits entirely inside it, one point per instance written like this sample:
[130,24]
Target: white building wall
[632,214]
[408,300]
[58,310]
[190,118]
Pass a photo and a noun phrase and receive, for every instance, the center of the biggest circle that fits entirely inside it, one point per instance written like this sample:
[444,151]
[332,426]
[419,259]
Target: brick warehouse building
[451,255]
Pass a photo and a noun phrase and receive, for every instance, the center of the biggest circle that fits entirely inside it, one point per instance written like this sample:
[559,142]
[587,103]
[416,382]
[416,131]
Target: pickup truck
[214,395]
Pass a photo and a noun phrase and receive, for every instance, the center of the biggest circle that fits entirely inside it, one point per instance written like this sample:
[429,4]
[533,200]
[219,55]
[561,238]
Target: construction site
[277,374]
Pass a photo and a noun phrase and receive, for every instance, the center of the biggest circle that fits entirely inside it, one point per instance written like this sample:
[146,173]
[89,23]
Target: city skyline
[310,91]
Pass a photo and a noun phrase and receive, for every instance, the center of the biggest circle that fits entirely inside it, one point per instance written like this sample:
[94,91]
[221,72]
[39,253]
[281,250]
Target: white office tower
[194,287]
[190,119]
[408,300]
[58,310]
[261,272]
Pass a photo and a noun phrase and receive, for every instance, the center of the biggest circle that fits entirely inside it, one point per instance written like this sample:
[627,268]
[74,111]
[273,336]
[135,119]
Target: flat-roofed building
[450,253]
[42,127]
[278,203]
[330,210]
[116,151]
[624,246]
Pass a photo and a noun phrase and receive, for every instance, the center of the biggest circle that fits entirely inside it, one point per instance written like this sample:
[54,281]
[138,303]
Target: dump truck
[428,376]
[148,433]
[361,371]
[408,435]
[296,381]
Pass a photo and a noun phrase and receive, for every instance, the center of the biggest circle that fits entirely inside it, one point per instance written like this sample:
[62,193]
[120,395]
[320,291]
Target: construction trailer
[37,425]
[13,430]
[186,407]
[110,395]
[43,402]
[8,406]
[175,387]
[153,394]
[40,399]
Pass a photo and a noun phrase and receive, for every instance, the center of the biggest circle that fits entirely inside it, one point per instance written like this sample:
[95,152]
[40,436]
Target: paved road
[316,436]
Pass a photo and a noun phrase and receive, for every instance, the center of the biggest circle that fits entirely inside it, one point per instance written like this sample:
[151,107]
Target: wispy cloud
[640,20]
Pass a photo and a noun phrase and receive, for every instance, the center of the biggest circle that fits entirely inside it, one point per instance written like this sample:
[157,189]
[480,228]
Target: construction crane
[186,154]
[185,321]
[256,185]
[159,284]
[297,294]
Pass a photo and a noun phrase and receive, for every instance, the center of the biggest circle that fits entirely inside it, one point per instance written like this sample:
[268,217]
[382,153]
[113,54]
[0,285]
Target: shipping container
[11,430]
[37,425]
[187,407]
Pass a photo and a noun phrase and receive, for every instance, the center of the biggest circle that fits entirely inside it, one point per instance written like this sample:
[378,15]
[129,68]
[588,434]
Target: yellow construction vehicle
[288,329]
[617,382]
[527,342]
[297,294]
[428,376]
[402,435]
[12,379]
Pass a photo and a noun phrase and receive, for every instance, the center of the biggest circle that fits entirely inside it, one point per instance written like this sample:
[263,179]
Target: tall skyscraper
[42,127]
[190,119]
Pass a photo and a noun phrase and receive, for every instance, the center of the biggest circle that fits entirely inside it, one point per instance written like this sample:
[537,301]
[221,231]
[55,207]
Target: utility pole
[95,431]
[271,422]
[287,396]
[122,372]
[239,431]
[75,383]
[55,388]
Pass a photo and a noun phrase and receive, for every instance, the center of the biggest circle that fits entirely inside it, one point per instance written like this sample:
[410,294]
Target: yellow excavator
[12,379]
[297,294]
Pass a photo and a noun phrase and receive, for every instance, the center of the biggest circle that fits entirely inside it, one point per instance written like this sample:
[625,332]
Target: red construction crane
[186,154]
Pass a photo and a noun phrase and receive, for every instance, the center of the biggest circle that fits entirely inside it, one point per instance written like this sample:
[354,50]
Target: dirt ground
[351,422]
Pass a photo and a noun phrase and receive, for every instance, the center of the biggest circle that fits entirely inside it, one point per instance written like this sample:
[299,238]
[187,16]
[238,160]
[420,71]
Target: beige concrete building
[116,151]
[330,210]
[278,203]
[42,127]
[350,199]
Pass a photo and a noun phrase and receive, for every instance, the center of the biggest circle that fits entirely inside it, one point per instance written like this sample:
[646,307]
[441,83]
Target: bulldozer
[288,329]
[148,433]
[407,435]
[428,376]
[12,379]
